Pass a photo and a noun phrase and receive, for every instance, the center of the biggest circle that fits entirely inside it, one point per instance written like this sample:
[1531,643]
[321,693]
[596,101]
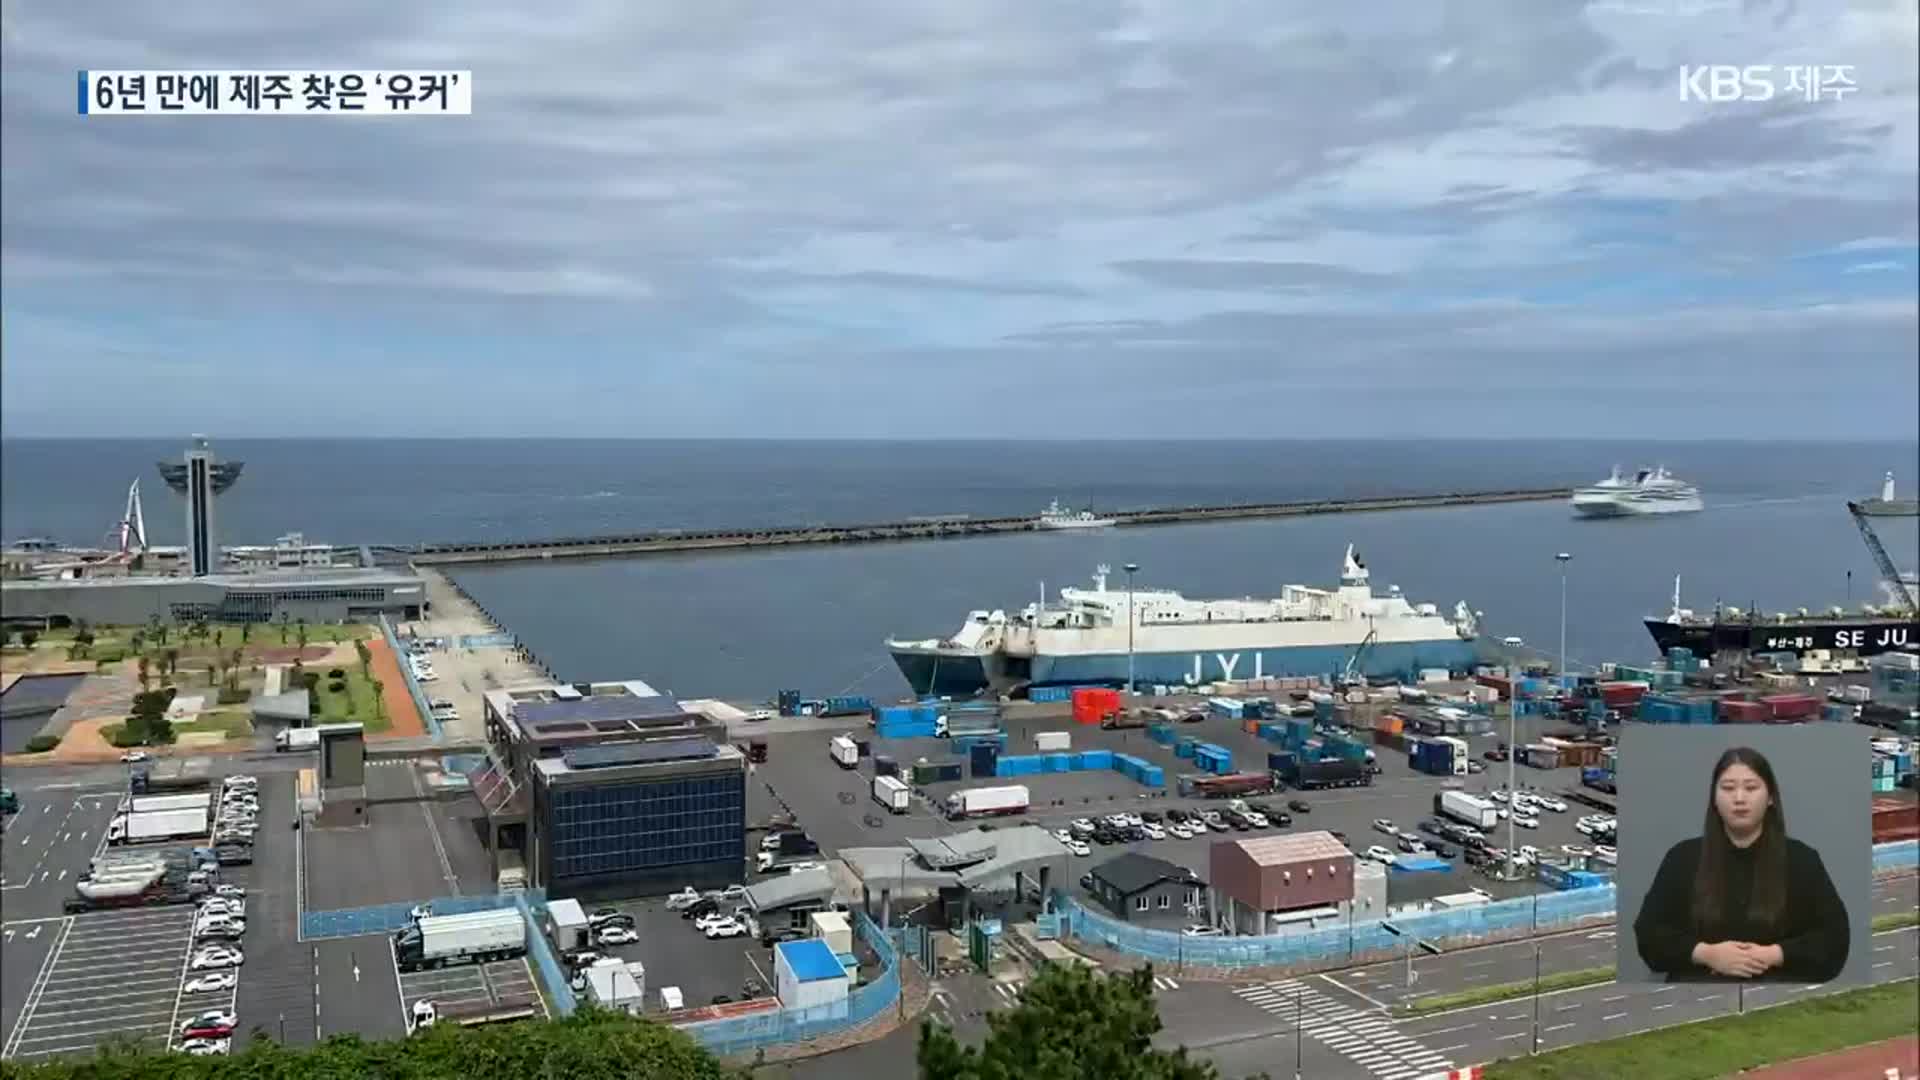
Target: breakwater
[670,540]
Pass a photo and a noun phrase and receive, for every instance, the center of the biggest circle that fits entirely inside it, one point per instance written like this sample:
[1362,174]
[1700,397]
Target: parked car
[1526,822]
[711,919]
[1385,826]
[1065,836]
[134,757]
[230,892]
[732,894]
[1200,930]
[213,1018]
[725,928]
[695,910]
[1412,845]
[212,984]
[425,1015]
[616,935]
[1079,847]
[1299,806]
[1553,804]
[206,1047]
[215,958]
[684,899]
[1429,826]
[1379,854]
[1444,851]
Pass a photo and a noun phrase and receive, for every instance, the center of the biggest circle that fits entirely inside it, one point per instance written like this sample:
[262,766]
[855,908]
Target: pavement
[675,954]
[410,847]
[1898,1059]
[463,675]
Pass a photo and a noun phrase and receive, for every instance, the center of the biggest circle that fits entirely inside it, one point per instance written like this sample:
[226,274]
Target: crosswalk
[1009,990]
[1365,1036]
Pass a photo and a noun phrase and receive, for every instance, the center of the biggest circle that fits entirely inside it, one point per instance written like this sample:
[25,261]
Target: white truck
[158,825]
[304,738]
[845,752]
[1053,741]
[513,871]
[143,804]
[982,802]
[1468,809]
[891,792]
[477,937]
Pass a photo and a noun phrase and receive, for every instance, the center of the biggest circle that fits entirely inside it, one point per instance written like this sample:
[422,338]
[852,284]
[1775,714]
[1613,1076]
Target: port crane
[1889,573]
[1347,677]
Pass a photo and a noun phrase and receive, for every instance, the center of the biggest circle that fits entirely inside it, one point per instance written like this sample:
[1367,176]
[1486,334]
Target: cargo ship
[1056,516]
[1868,632]
[1651,491]
[1087,636]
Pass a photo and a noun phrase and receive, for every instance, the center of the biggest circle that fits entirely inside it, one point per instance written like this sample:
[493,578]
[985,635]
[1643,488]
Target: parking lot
[411,847]
[500,984]
[111,975]
[676,954]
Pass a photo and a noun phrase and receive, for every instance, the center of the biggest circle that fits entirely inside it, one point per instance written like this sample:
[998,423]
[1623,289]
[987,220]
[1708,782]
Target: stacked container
[1227,707]
[1281,762]
[1213,759]
[1162,734]
[1662,709]
[1885,776]
[1184,748]
[1787,708]
[1093,704]
[985,760]
[1738,710]
[906,721]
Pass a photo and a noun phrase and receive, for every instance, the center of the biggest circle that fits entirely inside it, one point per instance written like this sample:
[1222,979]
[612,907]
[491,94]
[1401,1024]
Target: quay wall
[681,540]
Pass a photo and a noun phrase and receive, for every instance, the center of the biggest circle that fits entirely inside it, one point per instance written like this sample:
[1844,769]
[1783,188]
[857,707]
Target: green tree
[366,657]
[1071,1024]
[6,636]
[145,670]
[283,628]
[246,632]
[158,628]
[300,632]
[172,660]
[379,699]
[137,640]
[28,637]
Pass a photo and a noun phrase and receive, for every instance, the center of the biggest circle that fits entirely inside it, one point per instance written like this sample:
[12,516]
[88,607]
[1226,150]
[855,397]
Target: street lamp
[1130,568]
[1412,943]
[1299,1003]
[1536,997]
[1563,558]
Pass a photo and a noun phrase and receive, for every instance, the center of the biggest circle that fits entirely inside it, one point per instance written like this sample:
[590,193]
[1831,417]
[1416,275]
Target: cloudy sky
[975,218]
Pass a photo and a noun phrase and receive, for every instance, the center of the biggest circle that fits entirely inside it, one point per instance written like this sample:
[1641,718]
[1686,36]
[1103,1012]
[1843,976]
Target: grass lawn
[1480,995]
[359,691]
[1894,920]
[1720,1047]
[234,723]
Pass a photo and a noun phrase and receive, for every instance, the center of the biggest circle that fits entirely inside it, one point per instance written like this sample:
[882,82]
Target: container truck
[785,849]
[1332,772]
[476,938]
[1126,718]
[844,751]
[983,802]
[891,792]
[184,774]
[1467,809]
[158,825]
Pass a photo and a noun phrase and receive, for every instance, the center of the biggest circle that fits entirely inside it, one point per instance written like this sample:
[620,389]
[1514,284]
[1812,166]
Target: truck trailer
[844,751]
[136,828]
[892,793]
[146,804]
[1332,772]
[474,938]
[1467,809]
[785,850]
[983,802]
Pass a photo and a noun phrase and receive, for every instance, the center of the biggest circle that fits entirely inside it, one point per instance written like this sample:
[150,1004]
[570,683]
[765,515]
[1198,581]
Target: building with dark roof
[612,789]
[1142,889]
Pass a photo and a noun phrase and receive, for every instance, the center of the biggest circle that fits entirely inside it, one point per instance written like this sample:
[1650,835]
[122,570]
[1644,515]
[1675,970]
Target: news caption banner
[276,93]
[1718,83]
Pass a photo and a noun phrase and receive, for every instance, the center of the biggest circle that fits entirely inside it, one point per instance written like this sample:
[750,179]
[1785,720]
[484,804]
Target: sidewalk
[1893,1058]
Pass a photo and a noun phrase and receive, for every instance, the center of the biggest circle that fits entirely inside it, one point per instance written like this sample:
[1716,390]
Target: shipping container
[891,792]
[1052,740]
[1790,707]
[981,802]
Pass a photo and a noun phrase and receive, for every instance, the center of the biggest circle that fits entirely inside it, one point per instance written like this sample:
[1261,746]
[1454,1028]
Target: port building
[606,789]
[317,596]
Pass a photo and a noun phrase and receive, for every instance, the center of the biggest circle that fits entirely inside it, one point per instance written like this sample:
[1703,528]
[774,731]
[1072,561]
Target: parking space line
[115,1023]
[39,987]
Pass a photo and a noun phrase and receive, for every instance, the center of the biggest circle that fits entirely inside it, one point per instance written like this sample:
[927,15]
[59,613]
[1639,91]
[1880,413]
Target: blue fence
[745,1034]
[413,684]
[386,918]
[1334,945]
[559,988]
[485,641]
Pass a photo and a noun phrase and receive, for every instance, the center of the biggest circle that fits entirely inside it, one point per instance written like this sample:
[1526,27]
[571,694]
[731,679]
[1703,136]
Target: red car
[208,1031]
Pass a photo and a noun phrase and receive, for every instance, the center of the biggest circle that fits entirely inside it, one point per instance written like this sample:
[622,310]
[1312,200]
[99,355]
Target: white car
[733,893]
[1179,831]
[1497,795]
[214,1018]
[206,1047]
[1201,930]
[1379,854]
[230,892]
[1526,822]
[133,757]
[216,958]
[1079,847]
[1080,824]
[1605,851]
[1381,824]
[1153,831]
[1258,820]
[1501,813]
[617,935]
[1575,850]
[1065,836]
[799,867]
[713,918]
[231,930]
[761,715]
[232,909]
[1554,805]
[683,899]
[1132,819]
[212,984]
[725,928]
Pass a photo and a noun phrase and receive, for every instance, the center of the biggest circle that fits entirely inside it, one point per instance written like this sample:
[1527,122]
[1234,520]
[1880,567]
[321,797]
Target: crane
[1347,677]
[1889,574]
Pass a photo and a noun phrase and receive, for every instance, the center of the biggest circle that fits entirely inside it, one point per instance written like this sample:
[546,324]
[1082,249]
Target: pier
[672,540]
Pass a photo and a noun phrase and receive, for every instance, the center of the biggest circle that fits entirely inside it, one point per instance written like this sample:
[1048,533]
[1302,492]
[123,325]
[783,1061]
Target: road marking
[1884,963]
[1710,997]
[31,934]
[1449,1030]
[63,875]
[33,996]
[1668,1005]
[1612,1016]
[1556,1027]
[1566,1008]
[1515,1035]
[1616,997]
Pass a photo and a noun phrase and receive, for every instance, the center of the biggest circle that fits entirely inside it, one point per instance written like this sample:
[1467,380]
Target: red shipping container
[1741,711]
[1895,819]
[1792,706]
[1497,682]
[1616,694]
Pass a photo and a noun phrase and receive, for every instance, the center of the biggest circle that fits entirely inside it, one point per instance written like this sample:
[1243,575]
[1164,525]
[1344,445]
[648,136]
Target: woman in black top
[1743,901]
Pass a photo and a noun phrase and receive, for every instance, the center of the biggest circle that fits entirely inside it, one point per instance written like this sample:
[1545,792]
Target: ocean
[1776,534]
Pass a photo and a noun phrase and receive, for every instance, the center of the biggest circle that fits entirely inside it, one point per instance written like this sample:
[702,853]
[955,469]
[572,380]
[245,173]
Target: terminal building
[317,596]
[611,789]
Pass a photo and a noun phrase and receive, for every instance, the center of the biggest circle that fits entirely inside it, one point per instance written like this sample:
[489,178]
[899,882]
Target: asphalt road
[399,854]
[357,987]
[276,983]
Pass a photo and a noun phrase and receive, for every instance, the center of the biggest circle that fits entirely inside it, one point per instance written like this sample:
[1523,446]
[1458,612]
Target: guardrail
[387,918]
[772,1027]
[1338,945]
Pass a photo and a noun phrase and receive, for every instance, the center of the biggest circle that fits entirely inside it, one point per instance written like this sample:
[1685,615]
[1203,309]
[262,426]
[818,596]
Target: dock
[678,540]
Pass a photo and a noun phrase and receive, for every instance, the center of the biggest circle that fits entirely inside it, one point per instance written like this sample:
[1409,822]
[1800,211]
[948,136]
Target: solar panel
[558,727]
[636,753]
[612,725]
[622,707]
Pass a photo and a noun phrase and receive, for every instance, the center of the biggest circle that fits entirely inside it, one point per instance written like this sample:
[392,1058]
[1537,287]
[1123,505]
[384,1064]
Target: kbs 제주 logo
[1720,83]
[276,93]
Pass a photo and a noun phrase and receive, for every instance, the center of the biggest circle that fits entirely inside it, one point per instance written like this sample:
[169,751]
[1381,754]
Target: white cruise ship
[1085,638]
[1059,517]
[1649,491]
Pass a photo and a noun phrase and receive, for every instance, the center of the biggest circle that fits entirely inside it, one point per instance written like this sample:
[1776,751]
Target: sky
[997,218]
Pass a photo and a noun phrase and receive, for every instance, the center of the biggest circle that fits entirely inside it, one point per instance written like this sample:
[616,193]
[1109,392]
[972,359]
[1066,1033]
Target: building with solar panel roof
[612,789]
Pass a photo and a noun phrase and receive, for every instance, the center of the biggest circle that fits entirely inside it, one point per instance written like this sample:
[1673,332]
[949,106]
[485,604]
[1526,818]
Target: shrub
[112,654]
[337,673]
[233,695]
[40,744]
[337,687]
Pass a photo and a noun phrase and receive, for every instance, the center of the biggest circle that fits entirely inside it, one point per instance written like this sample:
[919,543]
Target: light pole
[1563,558]
[1299,1003]
[1130,568]
[1536,997]
[1412,944]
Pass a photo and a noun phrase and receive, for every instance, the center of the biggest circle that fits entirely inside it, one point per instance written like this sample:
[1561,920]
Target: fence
[486,641]
[1337,944]
[559,987]
[386,918]
[406,673]
[745,1034]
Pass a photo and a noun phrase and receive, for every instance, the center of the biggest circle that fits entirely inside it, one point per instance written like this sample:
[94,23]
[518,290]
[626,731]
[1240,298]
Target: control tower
[202,479]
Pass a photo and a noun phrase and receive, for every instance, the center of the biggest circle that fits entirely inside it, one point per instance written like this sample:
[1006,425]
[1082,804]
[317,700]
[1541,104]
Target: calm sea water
[1775,535]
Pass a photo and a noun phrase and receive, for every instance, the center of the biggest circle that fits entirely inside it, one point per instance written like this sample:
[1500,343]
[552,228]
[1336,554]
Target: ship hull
[965,676]
[1612,509]
[1863,637]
